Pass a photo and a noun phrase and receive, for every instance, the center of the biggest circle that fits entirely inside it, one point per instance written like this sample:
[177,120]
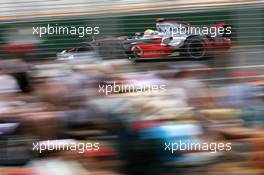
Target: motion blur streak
[105,103]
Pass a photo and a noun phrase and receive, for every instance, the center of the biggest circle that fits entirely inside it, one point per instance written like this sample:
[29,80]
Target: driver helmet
[149,32]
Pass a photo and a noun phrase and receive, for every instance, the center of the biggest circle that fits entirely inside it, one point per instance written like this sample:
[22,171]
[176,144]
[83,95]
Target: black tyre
[195,48]
[86,47]
[134,54]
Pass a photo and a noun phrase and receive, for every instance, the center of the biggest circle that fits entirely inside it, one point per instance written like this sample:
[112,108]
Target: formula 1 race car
[171,39]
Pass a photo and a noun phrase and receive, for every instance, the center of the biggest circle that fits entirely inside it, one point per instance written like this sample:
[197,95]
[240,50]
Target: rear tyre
[195,48]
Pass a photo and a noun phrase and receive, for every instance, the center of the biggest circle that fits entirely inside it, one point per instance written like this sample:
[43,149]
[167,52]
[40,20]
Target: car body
[171,39]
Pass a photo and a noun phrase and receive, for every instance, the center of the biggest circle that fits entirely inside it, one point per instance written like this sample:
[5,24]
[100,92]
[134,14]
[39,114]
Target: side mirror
[63,52]
[166,41]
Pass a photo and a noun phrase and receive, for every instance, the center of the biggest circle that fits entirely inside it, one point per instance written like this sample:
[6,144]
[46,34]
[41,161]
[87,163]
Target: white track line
[231,78]
[226,68]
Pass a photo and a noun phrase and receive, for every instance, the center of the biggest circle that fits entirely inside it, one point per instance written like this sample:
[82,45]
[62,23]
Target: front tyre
[135,54]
